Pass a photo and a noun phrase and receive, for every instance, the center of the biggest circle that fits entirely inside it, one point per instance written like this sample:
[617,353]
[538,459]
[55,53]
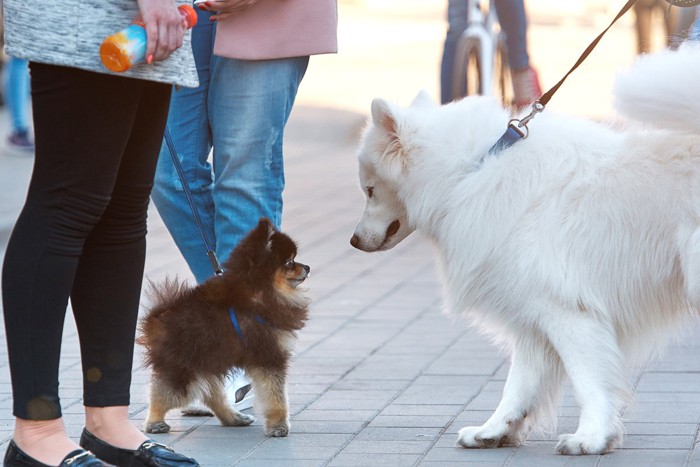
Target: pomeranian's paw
[157,427]
[238,419]
[196,411]
[279,430]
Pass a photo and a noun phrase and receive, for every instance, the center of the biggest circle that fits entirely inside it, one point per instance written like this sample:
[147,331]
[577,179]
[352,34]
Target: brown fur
[191,345]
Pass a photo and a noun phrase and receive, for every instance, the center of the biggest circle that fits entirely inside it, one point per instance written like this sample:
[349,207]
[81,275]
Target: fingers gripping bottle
[124,49]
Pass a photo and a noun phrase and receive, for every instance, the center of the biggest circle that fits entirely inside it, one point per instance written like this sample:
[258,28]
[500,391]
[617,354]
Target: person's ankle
[112,425]
[43,440]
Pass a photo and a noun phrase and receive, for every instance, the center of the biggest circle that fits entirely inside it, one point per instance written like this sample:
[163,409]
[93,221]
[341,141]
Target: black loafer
[15,457]
[149,454]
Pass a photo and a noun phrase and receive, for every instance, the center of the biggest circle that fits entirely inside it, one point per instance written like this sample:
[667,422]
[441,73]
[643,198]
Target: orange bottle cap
[114,57]
[189,14]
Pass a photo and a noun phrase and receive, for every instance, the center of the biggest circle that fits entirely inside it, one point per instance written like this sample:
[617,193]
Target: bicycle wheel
[467,69]
[503,85]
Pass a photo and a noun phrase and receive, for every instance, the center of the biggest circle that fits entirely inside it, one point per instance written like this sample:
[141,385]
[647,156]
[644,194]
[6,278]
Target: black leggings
[81,234]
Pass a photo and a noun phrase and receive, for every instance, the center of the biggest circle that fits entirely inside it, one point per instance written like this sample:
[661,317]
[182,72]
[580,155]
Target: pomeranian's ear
[252,249]
[264,231]
[423,99]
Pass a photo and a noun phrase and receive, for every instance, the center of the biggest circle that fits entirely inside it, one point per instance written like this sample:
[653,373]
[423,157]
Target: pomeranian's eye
[289,264]
[370,191]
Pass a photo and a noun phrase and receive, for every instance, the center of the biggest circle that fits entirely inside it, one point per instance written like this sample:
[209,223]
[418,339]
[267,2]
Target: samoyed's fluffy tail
[663,89]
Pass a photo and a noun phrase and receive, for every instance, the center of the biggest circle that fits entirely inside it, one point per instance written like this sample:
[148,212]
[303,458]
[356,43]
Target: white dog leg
[531,387]
[592,358]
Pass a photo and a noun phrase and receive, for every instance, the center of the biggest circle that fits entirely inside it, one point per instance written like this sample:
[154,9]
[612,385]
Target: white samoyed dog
[577,247]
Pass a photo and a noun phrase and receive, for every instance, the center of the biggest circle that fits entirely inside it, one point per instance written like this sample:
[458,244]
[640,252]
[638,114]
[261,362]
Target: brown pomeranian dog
[245,318]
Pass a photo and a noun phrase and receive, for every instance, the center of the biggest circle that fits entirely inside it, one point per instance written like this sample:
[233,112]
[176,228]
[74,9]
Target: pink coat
[279,29]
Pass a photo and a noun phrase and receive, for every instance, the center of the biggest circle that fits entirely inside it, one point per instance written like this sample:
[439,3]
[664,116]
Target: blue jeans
[694,33]
[240,110]
[511,16]
[16,85]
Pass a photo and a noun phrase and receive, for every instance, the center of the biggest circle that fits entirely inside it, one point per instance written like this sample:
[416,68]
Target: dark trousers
[81,234]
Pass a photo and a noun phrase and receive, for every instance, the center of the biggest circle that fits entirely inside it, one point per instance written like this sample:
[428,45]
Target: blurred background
[392,49]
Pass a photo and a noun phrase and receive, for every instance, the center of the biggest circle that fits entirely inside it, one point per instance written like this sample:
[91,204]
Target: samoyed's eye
[370,191]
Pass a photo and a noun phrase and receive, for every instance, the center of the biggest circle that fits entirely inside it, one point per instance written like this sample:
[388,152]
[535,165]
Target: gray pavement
[381,377]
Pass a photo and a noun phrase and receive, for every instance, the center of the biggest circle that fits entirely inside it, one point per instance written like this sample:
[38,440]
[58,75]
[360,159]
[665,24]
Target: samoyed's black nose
[355,241]
[393,228]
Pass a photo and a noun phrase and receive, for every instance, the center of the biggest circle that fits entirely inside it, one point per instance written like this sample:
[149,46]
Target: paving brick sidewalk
[381,377]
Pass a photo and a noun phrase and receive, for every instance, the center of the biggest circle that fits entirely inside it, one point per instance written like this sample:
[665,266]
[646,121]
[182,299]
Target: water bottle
[122,50]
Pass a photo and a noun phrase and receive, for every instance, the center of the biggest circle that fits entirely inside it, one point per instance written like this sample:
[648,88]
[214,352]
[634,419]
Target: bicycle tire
[503,84]
[467,69]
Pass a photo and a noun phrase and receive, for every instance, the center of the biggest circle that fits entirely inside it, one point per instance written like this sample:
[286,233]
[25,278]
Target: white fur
[578,248]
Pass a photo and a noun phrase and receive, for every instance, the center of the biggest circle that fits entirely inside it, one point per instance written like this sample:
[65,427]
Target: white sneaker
[240,391]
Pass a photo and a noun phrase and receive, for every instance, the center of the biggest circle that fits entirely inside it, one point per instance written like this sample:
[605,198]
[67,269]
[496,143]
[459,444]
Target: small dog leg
[271,395]
[162,399]
[196,411]
[217,402]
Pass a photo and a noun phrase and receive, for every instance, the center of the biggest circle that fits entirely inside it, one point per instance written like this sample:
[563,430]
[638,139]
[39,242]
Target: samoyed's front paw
[467,437]
[577,445]
[482,437]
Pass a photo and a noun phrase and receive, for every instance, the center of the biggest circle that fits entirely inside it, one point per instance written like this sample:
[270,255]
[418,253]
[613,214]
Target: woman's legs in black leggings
[107,287]
[81,234]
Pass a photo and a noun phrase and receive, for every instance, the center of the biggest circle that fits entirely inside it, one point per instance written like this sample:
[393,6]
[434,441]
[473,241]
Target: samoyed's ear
[423,99]
[383,116]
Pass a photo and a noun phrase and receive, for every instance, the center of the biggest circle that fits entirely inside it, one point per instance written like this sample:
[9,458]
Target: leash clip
[515,131]
[215,262]
[537,107]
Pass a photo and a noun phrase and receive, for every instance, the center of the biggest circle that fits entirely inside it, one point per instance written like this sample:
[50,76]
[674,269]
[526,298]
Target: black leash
[241,392]
[190,200]
[517,128]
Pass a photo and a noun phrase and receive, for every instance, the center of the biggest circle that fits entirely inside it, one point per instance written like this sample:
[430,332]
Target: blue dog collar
[512,135]
[234,321]
[516,130]
[237,327]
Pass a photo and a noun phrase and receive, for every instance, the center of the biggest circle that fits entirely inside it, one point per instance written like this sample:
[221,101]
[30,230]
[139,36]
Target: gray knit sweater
[69,33]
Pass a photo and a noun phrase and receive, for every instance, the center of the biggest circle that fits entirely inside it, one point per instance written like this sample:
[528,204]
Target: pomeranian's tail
[663,89]
[161,296]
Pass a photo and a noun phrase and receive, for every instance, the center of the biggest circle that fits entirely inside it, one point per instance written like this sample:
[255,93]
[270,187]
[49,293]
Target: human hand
[165,28]
[225,8]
